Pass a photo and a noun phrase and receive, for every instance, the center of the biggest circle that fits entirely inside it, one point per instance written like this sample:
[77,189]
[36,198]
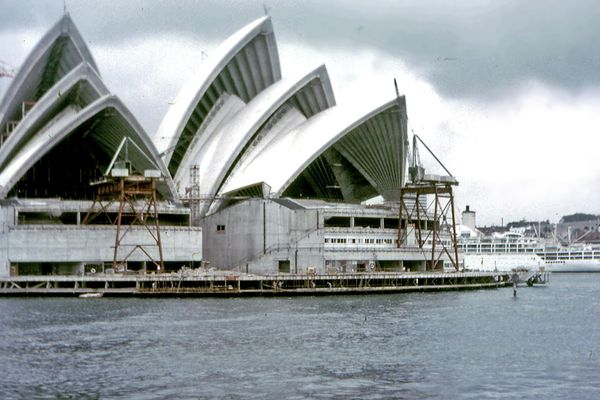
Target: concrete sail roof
[244,65]
[309,94]
[106,121]
[245,127]
[374,143]
[79,87]
[211,131]
[312,94]
[59,51]
[218,157]
[377,148]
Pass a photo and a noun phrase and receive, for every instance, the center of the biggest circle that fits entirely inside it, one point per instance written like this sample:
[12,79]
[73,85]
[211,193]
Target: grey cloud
[473,48]
[465,48]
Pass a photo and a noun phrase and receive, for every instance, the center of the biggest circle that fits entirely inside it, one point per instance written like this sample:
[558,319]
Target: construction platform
[207,284]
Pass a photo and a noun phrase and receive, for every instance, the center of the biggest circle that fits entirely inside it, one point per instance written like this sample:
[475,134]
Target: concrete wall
[308,251]
[88,243]
[54,243]
[6,221]
[258,234]
[234,236]
[303,255]
[265,237]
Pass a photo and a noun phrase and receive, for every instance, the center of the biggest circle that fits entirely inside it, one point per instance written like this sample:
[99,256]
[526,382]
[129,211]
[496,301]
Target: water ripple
[471,345]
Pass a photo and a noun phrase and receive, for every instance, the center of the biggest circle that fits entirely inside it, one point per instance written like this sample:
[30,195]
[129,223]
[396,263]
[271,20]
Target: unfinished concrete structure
[274,171]
[60,128]
[308,236]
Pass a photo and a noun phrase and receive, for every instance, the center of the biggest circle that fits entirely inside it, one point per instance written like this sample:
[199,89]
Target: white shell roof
[244,65]
[106,122]
[218,156]
[81,86]
[312,94]
[66,96]
[376,151]
[246,128]
[59,51]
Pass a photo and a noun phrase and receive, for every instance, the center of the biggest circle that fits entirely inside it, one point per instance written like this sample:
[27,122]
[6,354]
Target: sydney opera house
[255,171]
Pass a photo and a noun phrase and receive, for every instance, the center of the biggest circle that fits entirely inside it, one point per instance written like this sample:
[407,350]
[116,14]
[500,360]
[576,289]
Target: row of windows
[571,257]
[498,247]
[560,255]
[359,241]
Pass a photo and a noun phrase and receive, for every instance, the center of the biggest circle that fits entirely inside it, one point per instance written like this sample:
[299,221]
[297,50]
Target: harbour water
[545,343]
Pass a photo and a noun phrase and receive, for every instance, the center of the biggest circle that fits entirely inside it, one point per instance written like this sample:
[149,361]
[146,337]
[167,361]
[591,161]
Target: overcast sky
[507,93]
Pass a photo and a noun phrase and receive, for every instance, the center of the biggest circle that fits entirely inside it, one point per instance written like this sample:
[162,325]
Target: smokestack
[468,218]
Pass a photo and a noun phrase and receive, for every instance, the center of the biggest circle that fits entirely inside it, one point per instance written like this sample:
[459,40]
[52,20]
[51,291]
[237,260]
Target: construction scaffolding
[6,71]
[12,124]
[137,199]
[424,224]
[194,195]
[438,231]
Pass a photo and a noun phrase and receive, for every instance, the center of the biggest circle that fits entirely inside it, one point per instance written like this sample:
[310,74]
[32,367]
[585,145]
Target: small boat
[531,277]
[91,295]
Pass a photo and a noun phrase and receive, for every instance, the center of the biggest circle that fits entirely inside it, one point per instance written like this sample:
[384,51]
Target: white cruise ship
[512,250]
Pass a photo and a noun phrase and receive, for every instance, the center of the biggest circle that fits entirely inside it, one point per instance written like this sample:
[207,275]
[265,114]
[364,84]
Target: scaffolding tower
[417,226]
[136,195]
[194,195]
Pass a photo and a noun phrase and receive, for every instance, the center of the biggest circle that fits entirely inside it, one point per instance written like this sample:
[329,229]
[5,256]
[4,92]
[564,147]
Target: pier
[230,285]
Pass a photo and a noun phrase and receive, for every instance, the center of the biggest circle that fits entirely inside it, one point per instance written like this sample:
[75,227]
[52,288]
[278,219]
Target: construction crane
[416,227]
[439,231]
[416,171]
[5,70]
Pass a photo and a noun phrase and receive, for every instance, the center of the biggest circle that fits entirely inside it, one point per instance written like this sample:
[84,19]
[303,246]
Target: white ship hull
[573,266]
[501,262]
[511,250]
[508,262]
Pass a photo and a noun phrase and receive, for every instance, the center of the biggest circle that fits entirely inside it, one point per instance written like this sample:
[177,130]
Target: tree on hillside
[577,217]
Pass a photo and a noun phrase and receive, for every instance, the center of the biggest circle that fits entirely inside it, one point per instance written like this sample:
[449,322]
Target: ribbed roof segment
[104,123]
[243,66]
[372,142]
[236,137]
[58,101]
[57,53]
[250,132]
[243,130]
[80,87]
[376,147]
